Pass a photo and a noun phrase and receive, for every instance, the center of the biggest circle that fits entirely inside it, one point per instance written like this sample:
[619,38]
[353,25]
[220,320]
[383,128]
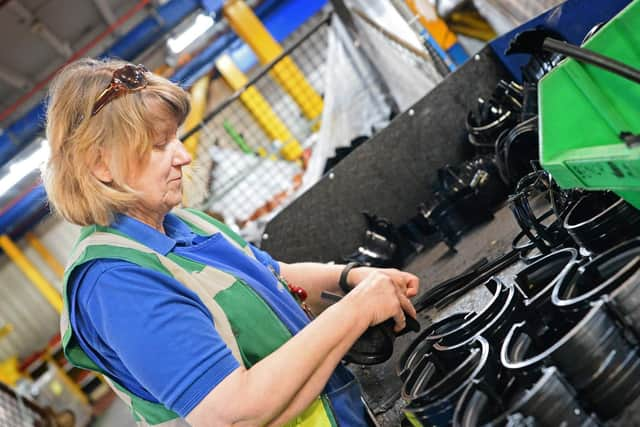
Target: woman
[190,324]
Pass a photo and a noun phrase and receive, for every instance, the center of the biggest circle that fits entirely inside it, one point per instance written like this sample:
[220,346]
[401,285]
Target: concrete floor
[380,383]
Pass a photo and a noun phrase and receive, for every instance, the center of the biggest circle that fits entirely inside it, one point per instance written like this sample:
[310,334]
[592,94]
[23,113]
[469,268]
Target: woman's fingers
[400,320]
[408,283]
[384,298]
[406,309]
[412,285]
[407,306]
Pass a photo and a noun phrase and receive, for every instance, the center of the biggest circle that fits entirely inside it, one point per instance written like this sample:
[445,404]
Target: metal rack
[240,167]
[242,173]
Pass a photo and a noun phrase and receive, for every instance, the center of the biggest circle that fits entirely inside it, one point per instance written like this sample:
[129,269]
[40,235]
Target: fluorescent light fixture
[201,24]
[19,169]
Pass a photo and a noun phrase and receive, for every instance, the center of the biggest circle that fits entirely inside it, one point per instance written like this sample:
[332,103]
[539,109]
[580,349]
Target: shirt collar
[177,232]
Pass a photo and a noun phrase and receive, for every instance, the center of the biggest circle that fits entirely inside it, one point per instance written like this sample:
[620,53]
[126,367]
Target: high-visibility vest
[234,306]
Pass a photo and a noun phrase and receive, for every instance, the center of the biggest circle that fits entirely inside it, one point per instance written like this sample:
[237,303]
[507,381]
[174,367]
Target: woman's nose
[182,156]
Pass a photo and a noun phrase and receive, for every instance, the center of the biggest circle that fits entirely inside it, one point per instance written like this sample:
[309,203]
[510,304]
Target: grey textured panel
[389,175]
[35,321]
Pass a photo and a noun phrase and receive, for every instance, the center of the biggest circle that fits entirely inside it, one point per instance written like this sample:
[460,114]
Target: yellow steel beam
[250,29]
[471,24]
[437,28]
[6,329]
[199,92]
[45,254]
[46,289]
[259,108]
[9,372]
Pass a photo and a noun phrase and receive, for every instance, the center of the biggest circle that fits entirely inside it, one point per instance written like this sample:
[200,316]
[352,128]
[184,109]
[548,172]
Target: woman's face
[160,178]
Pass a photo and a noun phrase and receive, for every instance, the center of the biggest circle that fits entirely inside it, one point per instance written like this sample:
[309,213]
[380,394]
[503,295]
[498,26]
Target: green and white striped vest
[234,306]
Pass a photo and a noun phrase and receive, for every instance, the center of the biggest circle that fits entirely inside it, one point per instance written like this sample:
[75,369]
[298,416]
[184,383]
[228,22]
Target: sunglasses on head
[128,78]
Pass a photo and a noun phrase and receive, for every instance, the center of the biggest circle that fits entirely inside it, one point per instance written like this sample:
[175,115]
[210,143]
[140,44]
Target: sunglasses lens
[131,77]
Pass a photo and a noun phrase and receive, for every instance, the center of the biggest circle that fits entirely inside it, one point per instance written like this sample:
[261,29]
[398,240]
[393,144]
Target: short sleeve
[162,337]
[265,259]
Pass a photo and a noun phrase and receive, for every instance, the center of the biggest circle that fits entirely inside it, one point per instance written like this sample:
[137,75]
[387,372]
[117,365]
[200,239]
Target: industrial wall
[34,321]
[389,175]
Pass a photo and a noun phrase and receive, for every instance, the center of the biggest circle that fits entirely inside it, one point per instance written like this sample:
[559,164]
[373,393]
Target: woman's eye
[165,141]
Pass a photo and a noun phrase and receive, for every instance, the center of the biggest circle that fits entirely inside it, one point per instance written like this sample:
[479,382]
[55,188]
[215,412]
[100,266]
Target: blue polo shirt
[149,332]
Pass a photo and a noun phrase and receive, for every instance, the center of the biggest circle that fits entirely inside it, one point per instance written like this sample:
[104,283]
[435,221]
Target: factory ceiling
[39,36]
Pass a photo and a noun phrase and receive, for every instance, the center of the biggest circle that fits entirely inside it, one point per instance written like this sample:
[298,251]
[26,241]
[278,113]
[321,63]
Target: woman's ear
[101,171]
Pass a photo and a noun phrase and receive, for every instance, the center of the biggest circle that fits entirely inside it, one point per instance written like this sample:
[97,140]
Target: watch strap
[343,276]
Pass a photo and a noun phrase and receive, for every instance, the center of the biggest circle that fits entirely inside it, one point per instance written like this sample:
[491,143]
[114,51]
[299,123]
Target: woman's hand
[315,278]
[380,298]
[408,283]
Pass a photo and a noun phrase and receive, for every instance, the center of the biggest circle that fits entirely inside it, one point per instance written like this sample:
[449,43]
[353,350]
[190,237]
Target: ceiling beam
[13,78]
[37,27]
[62,47]
[107,14]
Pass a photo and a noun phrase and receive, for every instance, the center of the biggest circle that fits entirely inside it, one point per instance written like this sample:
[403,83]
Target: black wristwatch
[343,276]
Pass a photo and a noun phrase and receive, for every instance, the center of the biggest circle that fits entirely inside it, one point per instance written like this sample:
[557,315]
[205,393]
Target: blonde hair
[120,135]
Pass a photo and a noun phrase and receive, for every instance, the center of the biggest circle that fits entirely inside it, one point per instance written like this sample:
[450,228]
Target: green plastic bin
[583,110]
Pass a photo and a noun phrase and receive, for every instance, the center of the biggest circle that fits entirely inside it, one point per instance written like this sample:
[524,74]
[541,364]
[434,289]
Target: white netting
[354,104]
[408,76]
[247,182]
